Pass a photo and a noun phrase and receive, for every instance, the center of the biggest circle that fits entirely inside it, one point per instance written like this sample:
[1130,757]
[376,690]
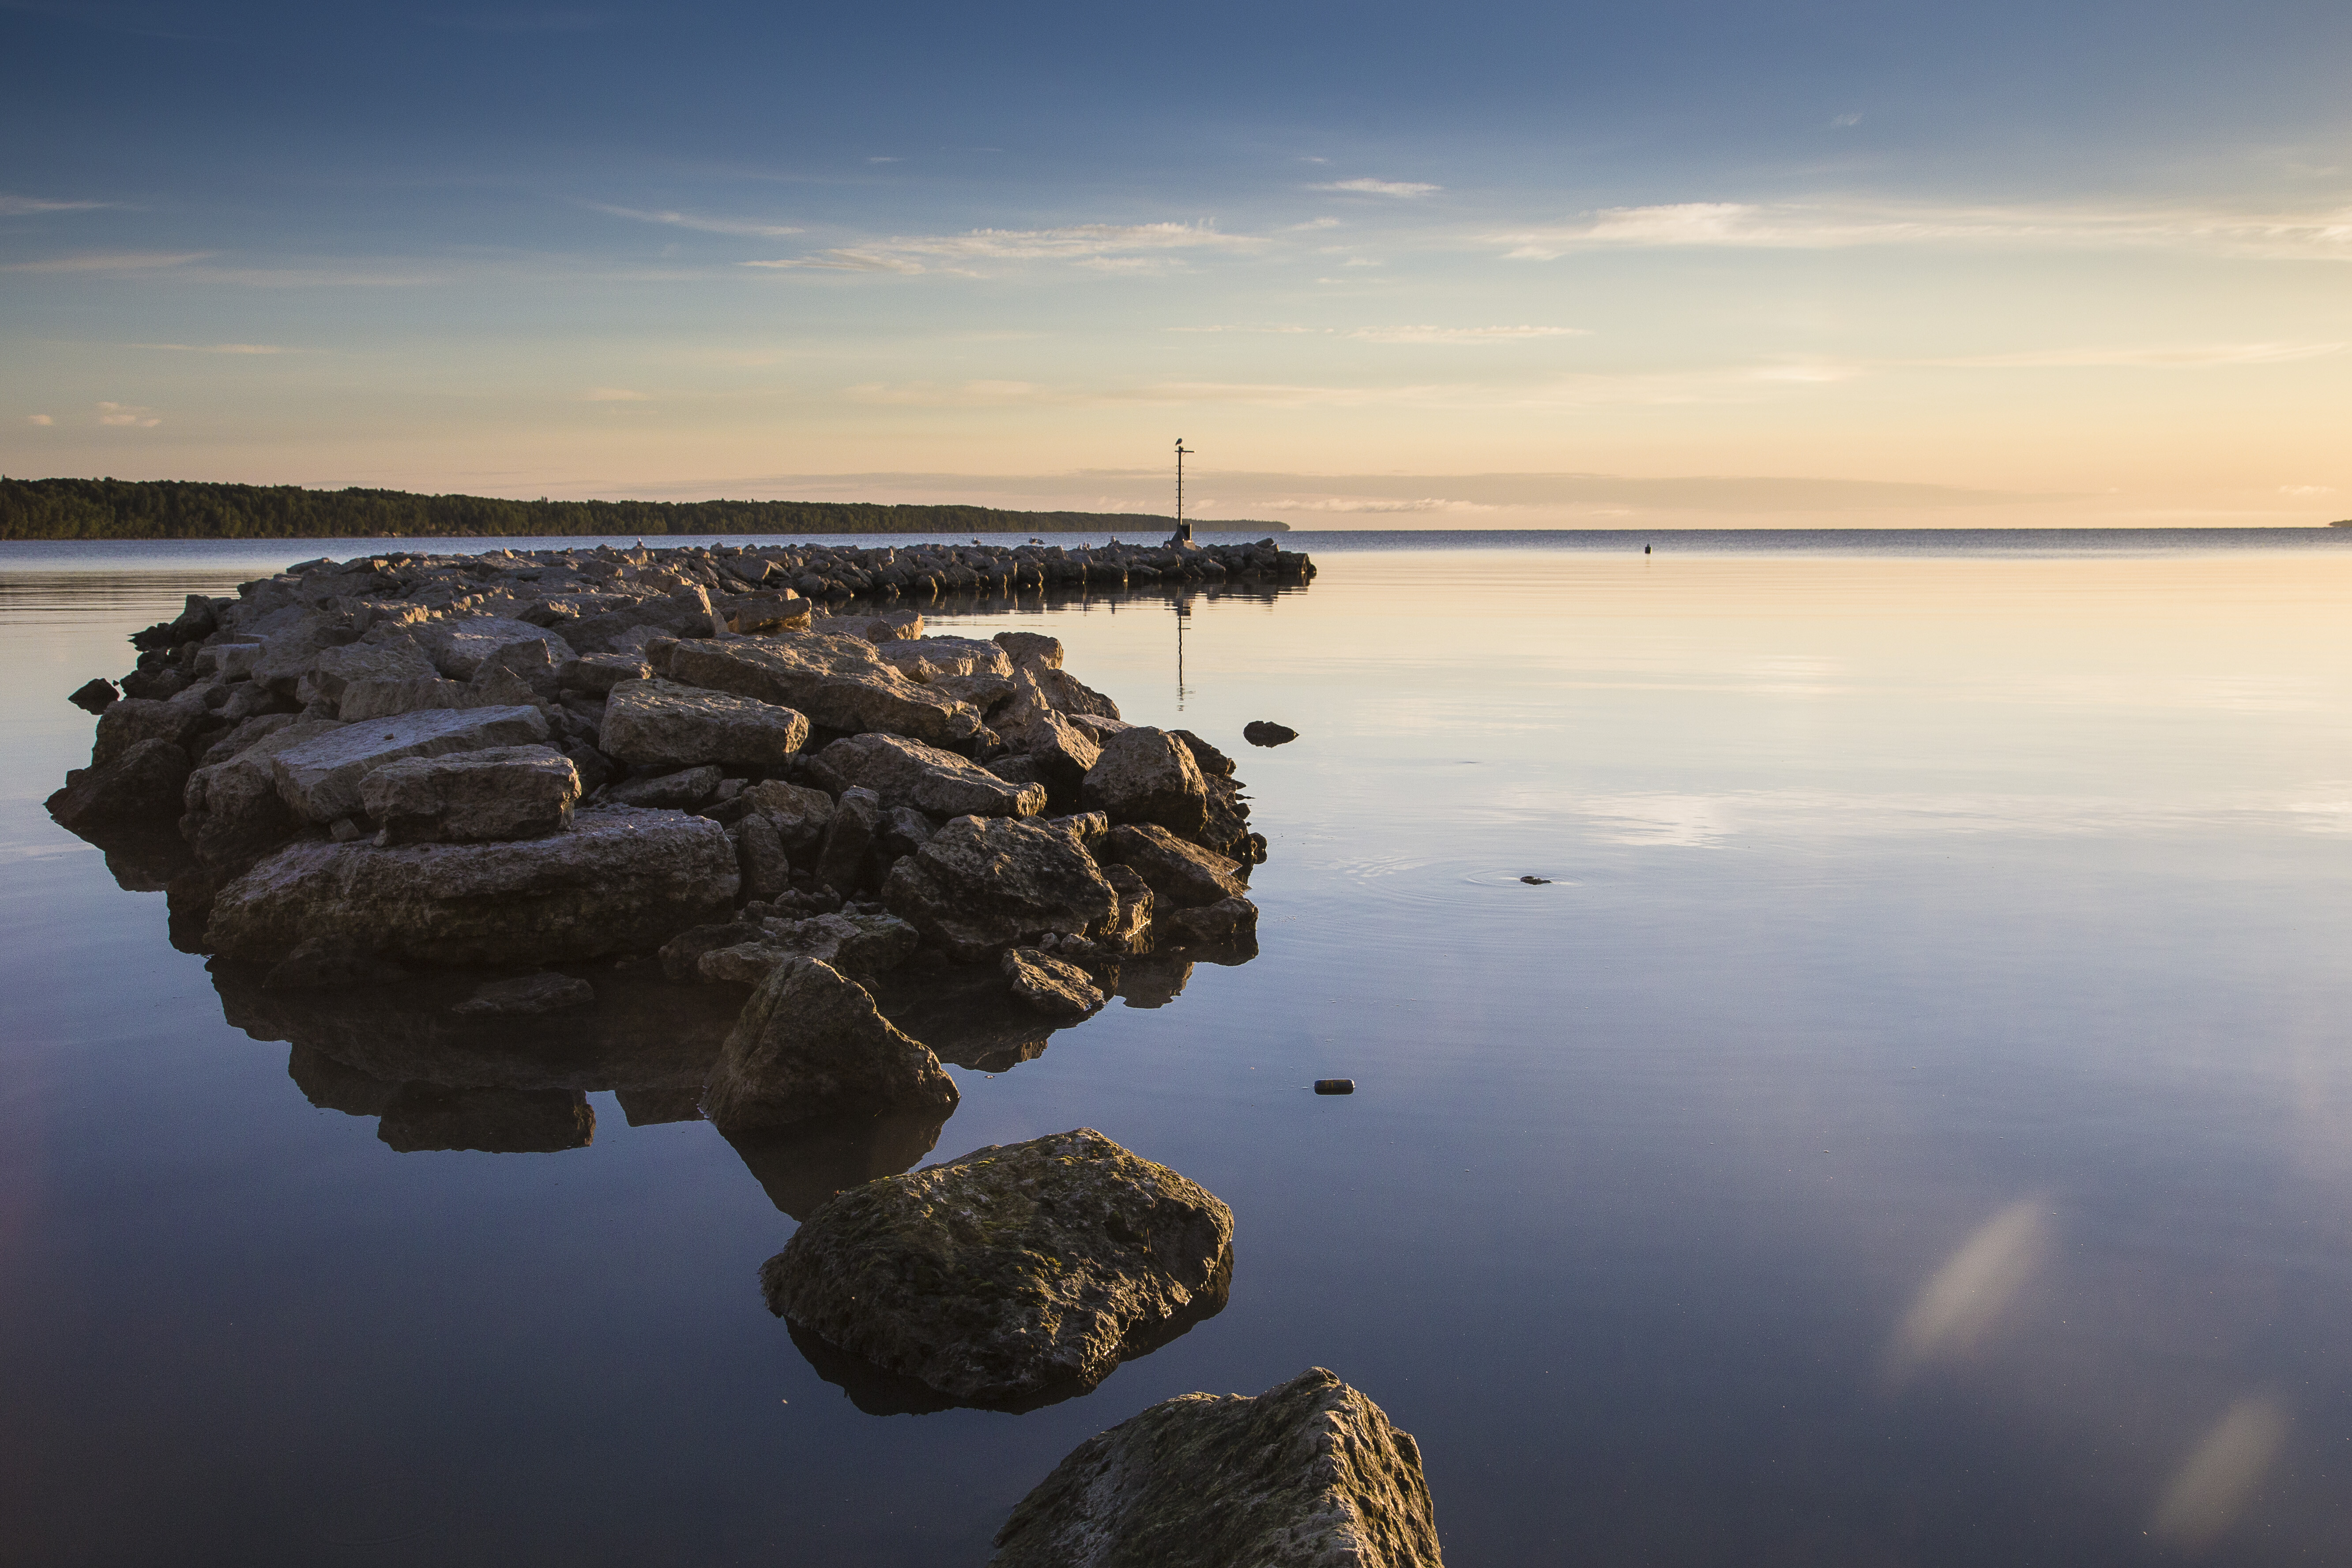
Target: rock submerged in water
[1309,1474]
[1016,1274]
[811,1042]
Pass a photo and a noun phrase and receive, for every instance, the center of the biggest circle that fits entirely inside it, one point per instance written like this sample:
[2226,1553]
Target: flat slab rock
[619,880]
[1309,1474]
[1012,1275]
[656,722]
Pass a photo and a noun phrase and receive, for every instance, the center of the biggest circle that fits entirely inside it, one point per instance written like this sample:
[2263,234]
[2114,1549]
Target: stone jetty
[738,758]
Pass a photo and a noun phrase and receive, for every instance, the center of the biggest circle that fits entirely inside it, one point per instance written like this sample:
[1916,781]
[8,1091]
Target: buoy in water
[1335,1086]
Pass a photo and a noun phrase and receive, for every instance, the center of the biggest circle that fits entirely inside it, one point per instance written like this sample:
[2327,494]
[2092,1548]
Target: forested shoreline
[175,509]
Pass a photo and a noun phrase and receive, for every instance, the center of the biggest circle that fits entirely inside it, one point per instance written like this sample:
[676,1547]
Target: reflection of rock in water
[330,1086]
[964,1012]
[657,1107]
[422,1116]
[802,1165]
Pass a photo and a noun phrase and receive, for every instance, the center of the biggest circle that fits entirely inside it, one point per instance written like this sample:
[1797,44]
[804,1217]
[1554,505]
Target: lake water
[1912,1126]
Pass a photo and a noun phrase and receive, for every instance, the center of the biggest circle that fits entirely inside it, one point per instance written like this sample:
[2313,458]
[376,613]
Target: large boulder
[841,862]
[398,662]
[135,719]
[838,682]
[909,773]
[935,658]
[1181,876]
[232,813]
[1029,650]
[143,785]
[619,880]
[1011,1274]
[798,812]
[1070,695]
[1062,751]
[458,646]
[1049,986]
[1309,1474]
[659,723]
[319,778]
[1147,775]
[810,1042]
[467,798]
[983,884]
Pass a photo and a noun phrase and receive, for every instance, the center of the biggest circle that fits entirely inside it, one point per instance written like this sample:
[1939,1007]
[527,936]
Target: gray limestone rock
[1011,1274]
[95,696]
[234,812]
[458,646]
[396,661]
[934,658]
[1309,1474]
[908,773]
[799,812]
[619,880]
[1147,775]
[1129,928]
[534,666]
[1029,650]
[859,946]
[319,778]
[838,681]
[656,722]
[680,790]
[1061,751]
[141,785]
[1210,925]
[809,1042]
[1056,989]
[1070,695]
[504,793]
[841,863]
[135,719]
[767,869]
[983,884]
[598,673]
[223,748]
[1212,763]
[364,699]
[1181,876]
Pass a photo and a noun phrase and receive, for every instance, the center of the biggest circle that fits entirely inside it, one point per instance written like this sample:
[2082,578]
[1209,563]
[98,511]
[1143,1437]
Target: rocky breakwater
[572,756]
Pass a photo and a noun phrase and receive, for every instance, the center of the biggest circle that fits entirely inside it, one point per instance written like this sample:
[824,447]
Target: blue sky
[1494,266]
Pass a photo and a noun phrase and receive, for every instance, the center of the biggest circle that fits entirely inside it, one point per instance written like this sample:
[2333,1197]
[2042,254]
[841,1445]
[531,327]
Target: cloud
[2284,489]
[38,419]
[1243,329]
[119,261]
[219,348]
[1316,223]
[1464,334]
[687,220]
[1845,122]
[1378,188]
[885,160]
[843,261]
[614,395]
[128,414]
[1835,226]
[1092,245]
[26,206]
[2142,359]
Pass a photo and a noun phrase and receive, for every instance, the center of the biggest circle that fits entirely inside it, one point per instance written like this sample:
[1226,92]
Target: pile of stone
[571,755]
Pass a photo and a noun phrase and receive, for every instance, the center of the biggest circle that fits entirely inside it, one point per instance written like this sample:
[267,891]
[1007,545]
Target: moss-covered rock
[1307,1475]
[1014,1275]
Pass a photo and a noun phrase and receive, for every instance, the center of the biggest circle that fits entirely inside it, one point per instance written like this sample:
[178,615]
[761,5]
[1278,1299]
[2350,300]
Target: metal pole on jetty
[1183,528]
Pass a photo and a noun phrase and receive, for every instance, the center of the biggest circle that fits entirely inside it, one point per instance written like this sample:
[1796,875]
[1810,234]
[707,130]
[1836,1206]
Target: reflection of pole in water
[1184,613]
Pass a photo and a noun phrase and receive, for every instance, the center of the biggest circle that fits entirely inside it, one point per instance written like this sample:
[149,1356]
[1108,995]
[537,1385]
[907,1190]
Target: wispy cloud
[38,419]
[842,261]
[219,348]
[1834,226]
[28,207]
[2284,489]
[690,220]
[1845,122]
[1378,188]
[614,395]
[129,413]
[2186,358]
[1464,334]
[116,261]
[1383,507]
[1095,245]
[1235,328]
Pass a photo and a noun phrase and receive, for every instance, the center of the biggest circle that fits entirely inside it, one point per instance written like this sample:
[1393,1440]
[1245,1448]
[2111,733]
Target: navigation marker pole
[1182,539]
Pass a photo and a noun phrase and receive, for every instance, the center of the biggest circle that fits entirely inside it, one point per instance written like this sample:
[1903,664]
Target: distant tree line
[174,509]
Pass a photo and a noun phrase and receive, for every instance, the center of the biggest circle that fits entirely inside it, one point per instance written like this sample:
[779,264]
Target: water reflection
[1965,1296]
[2221,1475]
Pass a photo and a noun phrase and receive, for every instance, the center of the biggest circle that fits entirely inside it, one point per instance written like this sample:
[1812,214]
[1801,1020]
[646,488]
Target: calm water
[1913,1127]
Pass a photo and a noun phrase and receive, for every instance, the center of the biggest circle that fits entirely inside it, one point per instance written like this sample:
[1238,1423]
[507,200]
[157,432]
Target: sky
[1488,266]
